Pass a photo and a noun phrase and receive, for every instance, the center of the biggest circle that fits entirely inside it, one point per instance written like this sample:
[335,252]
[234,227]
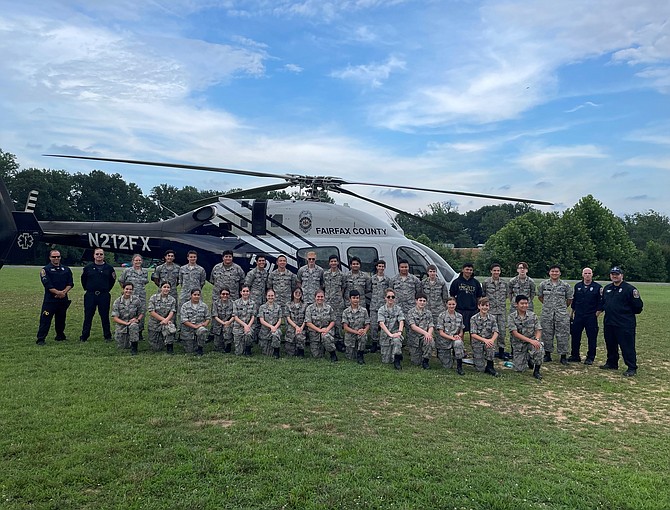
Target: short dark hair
[227,252]
[421,295]
[495,264]
[354,258]
[520,297]
[333,256]
[555,266]
[354,293]
[467,264]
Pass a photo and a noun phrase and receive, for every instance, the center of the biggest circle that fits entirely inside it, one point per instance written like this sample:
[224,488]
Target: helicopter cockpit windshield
[444,269]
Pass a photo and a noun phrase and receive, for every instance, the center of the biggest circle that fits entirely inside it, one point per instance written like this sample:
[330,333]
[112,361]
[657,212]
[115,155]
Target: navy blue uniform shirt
[621,304]
[55,277]
[98,277]
[586,300]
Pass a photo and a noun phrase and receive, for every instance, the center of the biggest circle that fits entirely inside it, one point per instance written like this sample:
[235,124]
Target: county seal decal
[305,221]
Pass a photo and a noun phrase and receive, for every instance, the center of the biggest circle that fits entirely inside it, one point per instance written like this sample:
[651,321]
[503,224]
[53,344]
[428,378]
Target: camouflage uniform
[283,283]
[379,286]
[243,310]
[296,311]
[437,293]
[190,278]
[419,349]
[554,318]
[497,291]
[160,335]
[167,273]
[270,314]
[333,286]
[523,351]
[139,279]
[406,288]
[484,327]
[391,318]
[518,286]
[223,335]
[231,277]
[320,316]
[126,309]
[257,281]
[450,324]
[195,313]
[355,319]
[358,281]
[310,280]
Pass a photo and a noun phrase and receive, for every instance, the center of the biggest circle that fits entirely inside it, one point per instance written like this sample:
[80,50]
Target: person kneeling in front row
[526,331]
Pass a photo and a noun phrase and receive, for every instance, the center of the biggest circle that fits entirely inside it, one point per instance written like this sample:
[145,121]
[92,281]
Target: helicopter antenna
[161,207]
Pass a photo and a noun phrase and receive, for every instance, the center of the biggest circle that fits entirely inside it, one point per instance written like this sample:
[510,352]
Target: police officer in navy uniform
[97,279]
[585,311]
[621,303]
[57,281]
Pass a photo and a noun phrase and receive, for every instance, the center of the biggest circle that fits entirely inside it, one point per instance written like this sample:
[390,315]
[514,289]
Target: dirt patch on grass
[215,423]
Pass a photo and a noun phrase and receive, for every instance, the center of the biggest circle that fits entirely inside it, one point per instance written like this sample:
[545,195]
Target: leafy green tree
[8,165]
[649,226]
[442,213]
[568,244]
[54,202]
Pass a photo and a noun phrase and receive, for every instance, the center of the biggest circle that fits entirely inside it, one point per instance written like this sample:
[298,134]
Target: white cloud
[293,68]
[372,75]
[546,158]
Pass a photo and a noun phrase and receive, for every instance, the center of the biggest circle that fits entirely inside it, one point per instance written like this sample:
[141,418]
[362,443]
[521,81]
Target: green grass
[87,426]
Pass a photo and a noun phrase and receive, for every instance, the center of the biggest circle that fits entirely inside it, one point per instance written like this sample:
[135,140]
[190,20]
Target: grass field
[87,426]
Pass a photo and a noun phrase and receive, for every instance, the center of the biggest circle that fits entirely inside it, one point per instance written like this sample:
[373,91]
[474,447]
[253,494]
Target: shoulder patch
[43,273]
[636,294]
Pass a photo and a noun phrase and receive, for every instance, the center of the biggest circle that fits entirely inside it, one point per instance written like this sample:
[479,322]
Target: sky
[538,99]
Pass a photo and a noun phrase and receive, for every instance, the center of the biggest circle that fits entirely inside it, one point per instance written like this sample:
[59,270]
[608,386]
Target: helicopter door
[417,262]
[368,256]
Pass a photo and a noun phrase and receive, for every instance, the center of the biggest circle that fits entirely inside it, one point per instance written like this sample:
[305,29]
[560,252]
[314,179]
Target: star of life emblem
[25,241]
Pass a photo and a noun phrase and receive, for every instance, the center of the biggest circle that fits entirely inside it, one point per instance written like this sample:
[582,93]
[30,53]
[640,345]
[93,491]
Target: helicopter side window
[322,255]
[367,255]
[417,262]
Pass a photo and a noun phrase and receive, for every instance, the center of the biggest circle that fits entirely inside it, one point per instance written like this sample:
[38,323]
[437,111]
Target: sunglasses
[390,297]
[55,256]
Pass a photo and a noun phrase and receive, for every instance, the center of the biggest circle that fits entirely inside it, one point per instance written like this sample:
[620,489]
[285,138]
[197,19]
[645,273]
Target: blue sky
[547,100]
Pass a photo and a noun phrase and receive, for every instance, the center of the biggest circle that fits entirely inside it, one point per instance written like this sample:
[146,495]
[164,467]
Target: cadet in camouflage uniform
[379,283]
[495,288]
[450,336]
[127,312]
[162,310]
[195,318]
[391,322]
[191,277]
[525,332]
[333,286]
[167,272]
[320,321]
[521,284]
[270,316]
[282,281]
[356,279]
[436,290]
[420,328]
[296,333]
[483,335]
[310,278]
[139,277]
[226,274]
[356,324]
[244,313]
[406,287]
[257,280]
[222,321]
[555,296]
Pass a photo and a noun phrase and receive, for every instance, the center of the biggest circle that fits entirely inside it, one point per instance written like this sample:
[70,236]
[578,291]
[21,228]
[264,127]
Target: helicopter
[248,227]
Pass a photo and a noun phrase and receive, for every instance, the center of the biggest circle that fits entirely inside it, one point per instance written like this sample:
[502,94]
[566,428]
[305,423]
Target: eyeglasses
[311,258]
[55,256]
[390,297]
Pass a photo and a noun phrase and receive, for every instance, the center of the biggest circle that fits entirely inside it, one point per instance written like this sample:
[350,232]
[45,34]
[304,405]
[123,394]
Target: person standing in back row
[97,279]
[57,281]
[467,290]
[585,311]
[555,296]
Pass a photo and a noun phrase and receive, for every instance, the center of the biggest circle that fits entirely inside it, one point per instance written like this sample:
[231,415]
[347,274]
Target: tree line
[587,234]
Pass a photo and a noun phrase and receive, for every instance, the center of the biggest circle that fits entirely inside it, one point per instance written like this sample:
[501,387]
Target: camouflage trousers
[318,343]
[242,340]
[127,334]
[481,354]
[223,338]
[419,348]
[269,343]
[523,352]
[160,337]
[374,325]
[294,341]
[194,338]
[389,348]
[354,343]
[501,321]
[557,325]
[444,351]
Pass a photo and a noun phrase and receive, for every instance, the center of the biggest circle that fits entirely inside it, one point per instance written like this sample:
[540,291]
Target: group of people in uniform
[328,311]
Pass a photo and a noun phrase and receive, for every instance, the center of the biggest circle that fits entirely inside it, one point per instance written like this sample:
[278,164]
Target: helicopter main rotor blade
[240,194]
[250,173]
[448,192]
[399,211]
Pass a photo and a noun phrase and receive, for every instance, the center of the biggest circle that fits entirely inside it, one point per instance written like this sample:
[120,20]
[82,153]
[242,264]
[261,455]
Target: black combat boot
[374,348]
[459,367]
[333,356]
[536,373]
[425,364]
[133,348]
[547,357]
[490,370]
[530,363]
[300,353]
[169,348]
[500,354]
[564,359]
[198,351]
[275,353]
[360,358]
[397,358]
[247,350]
[227,347]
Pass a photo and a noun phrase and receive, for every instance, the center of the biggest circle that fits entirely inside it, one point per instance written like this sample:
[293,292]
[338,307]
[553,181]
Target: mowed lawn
[88,426]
